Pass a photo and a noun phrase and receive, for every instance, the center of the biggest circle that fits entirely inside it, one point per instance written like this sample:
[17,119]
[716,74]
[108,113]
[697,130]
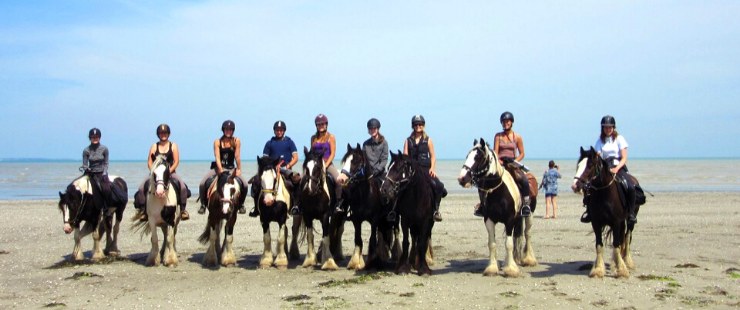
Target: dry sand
[673,229]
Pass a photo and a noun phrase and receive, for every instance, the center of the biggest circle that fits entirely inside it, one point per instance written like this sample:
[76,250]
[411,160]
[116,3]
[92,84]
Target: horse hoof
[596,274]
[282,267]
[330,265]
[490,272]
[511,272]
[622,274]
[265,266]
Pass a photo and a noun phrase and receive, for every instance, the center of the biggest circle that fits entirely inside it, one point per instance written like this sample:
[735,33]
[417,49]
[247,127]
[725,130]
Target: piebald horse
[76,205]
[316,200]
[272,202]
[163,211]
[223,199]
[603,203]
[500,201]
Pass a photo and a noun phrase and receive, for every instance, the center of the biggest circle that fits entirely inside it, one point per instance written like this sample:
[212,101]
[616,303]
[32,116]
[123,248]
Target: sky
[668,71]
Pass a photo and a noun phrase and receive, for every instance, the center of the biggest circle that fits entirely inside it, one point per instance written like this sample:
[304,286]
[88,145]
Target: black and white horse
[272,199]
[316,201]
[500,201]
[77,206]
[223,198]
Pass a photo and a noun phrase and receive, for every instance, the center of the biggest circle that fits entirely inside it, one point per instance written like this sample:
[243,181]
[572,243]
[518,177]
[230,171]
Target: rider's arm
[520,146]
[238,156]
[85,158]
[217,153]
[622,160]
[432,158]
[384,154]
[406,147]
[175,157]
[293,160]
[105,161]
[149,160]
[332,148]
[495,148]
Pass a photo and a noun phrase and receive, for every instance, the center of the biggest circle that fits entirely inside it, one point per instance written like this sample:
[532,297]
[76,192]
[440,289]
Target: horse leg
[153,259]
[326,254]
[618,236]
[382,250]
[356,263]
[402,266]
[626,244]
[529,258]
[170,255]
[492,268]
[413,252]
[510,268]
[295,230]
[211,258]
[108,234]
[97,250]
[429,256]
[79,234]
[424,244]
[281,262]
[396,250]
[376,246]
[599,269]
[266,260]
[112,244]
[310,260]
[228,258]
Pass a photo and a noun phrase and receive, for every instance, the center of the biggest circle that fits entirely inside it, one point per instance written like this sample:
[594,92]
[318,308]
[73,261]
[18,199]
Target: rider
[169,149]
[95,158]
[325,142]
[227,151]
[506,144]
[376,152]
[613,148]
[280,146]
[420,147]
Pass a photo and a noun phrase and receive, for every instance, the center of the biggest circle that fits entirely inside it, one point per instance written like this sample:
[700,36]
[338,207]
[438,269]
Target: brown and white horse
[272,202]
[223,200]
[163,211]
[500,201]
[76,205]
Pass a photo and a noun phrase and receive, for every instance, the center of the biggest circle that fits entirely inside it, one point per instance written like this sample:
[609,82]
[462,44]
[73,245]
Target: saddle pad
[532,185]
[513,189]
[282,194]
[83,185]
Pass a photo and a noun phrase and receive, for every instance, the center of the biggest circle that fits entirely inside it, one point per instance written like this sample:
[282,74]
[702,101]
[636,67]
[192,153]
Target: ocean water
[43,180]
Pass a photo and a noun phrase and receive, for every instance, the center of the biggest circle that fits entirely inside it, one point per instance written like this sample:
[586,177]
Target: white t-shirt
[611,148]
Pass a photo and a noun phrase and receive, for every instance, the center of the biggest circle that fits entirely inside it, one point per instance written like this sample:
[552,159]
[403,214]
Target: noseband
[272,190]
[399,185]
[478,176]
[588,184]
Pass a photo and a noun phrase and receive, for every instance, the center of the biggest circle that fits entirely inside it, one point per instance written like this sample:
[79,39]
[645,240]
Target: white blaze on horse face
[227,197]
[159,178]
[469,162]
[348,163]
[268,183]
[581,168]
[309,168]
[67,225]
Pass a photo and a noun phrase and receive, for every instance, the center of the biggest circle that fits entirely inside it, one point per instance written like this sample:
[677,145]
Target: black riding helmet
[418,119]
[94,133]
[373,123]
[163,128]
[507,116]
[228,124]
[280,125]
[608,121]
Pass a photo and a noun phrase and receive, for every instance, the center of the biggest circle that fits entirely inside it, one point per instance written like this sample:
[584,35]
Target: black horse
[316,201]
[500,200]
[410,189]
[603,202]
[222,202]
[77,205]
[367,206]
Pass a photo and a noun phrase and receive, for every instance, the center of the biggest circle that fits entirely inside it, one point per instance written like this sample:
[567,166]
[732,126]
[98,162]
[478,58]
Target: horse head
[70,204]
[227,191]
[159,176]
[353,163]
[479,162]
[401,171]
[590,166]
[314,172]
[268,175]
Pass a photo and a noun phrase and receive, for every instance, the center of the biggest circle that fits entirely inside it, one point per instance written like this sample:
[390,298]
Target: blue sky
[669,71]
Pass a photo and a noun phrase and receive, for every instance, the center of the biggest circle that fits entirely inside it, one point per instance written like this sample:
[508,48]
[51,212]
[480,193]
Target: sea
[39,179]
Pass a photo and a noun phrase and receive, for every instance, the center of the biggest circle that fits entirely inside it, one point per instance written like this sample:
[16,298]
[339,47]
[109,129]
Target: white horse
[163,211]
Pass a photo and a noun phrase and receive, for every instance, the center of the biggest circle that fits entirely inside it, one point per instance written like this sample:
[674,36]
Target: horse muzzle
[67,228]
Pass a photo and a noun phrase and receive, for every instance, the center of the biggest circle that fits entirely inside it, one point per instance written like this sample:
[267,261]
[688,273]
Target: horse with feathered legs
[163,211]
[77,205]
[410,188]
[605,206]
[272,199]
[316,201]
[367,206]
[223,197]
[500,201]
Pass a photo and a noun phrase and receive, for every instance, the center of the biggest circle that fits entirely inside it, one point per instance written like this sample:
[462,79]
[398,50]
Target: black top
[168,154]
[420,152]
[228,155]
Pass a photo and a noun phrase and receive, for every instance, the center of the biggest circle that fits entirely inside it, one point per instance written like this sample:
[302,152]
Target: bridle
[319,180]
[478,176]
[588,183]
[274,188]
[358,175]
[400,185]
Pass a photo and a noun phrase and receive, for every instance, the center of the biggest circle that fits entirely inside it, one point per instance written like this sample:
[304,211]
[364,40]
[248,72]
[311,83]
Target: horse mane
[352,151]
[483,146]
[313,154]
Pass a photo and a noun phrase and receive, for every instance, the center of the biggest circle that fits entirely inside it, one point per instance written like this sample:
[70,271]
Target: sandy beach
[686,249]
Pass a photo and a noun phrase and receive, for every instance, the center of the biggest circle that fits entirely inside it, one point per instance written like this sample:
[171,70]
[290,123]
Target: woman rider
[172,152]
[613,148]
[420,147]
[325,142]
[227,151]
[376,152]
[95,161]
[506,144]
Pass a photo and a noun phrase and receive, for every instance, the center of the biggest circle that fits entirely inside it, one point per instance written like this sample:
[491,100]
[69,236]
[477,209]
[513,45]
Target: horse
[272,198]
[316,201]
[223,197]
[603,203]
[367,206]
[76,205]
[410,189]
[163,211]
[500,201]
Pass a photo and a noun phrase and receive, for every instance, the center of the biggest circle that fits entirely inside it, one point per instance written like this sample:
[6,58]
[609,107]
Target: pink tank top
[506,149]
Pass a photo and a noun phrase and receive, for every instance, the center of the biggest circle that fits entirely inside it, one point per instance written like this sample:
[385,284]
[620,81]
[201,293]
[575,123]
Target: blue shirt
[282,149]
[550,180]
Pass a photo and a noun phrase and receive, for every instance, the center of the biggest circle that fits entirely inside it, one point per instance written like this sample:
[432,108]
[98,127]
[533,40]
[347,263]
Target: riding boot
[477,210]
[254,212]
[242,208]
[526,211]
[202,209]
[585,217]
[632,217]
[339,208]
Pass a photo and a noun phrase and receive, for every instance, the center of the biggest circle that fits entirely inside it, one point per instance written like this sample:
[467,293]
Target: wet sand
[699,231]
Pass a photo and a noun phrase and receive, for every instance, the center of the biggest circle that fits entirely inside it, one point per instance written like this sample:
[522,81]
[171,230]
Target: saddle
[518,173]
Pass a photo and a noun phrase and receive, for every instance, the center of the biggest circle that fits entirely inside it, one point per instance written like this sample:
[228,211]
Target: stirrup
[391,216]
[585,217]
[437,216]
[253,212]
[202,209]
[477,212]
[526,211]
[242,210]
[295,211]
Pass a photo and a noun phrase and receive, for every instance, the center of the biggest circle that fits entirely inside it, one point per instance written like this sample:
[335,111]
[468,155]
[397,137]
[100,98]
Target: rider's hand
[220,171]
[342,178]
[238,172]
[432,173]
[614,170]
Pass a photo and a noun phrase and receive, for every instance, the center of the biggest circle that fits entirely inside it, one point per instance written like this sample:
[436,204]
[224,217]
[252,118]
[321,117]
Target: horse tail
[206,235]
[142,226]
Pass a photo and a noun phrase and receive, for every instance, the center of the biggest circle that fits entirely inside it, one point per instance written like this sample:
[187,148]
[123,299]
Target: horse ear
[61,195]
[393,156]
[349,148]
[305,151]
[358,146]
[475,142]
[482,142]
[592,149]
[582,150]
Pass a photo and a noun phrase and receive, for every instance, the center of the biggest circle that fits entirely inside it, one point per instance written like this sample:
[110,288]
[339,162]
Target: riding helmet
[507,116]
[228,124]
[279,125]
[94,133]
[321,119]
[418,119]
[608,121]
[163,128]
[373,123]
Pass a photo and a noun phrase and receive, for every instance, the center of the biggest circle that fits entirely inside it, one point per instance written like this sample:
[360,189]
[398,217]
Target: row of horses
[403,187]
